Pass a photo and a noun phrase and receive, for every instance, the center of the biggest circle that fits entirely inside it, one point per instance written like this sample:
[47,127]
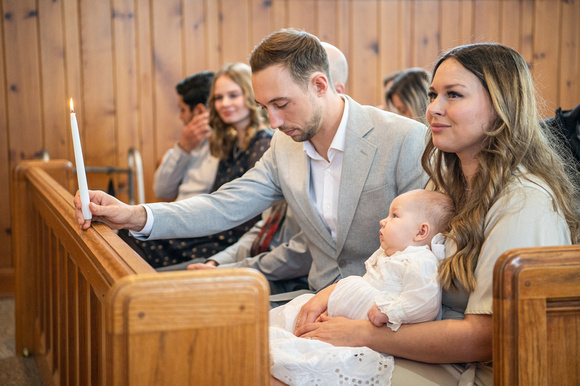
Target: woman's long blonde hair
[224,137]
[515,138]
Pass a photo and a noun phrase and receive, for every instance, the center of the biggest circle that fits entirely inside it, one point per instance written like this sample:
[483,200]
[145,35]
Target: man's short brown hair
[298,51]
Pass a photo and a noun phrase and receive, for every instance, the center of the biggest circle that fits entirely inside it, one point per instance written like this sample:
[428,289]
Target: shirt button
[342,264]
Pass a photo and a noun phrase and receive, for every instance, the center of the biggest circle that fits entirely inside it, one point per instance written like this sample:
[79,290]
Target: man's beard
[311,127]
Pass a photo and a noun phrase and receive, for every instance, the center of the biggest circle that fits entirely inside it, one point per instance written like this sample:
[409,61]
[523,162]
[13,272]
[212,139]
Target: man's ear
[423,232]
[320,83]
[199,108]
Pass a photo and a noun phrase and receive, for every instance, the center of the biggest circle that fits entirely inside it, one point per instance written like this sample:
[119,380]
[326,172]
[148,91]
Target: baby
[400,286]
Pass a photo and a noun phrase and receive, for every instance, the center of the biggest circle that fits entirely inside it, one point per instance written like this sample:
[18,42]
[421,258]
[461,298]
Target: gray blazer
[381,160]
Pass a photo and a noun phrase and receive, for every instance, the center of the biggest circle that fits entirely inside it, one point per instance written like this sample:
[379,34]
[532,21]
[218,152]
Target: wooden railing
[92,312]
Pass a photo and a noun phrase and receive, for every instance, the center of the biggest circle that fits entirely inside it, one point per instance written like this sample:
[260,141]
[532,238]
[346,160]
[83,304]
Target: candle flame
[72,110]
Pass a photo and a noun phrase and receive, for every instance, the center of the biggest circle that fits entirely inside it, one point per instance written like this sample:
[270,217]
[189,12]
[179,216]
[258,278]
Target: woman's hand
[338,331]
[313,308]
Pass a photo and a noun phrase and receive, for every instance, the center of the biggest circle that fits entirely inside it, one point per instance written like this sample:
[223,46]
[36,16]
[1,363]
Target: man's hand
[108,210]
[377,317]
[195,132]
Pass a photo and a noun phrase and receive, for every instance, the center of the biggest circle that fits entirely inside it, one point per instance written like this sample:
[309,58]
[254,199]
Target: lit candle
[81,176]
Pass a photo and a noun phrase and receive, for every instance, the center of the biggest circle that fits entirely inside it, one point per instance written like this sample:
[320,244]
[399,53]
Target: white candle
[81,175]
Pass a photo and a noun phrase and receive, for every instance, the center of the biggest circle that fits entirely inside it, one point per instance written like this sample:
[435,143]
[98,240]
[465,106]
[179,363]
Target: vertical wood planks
[510,22]
[260,21]
[302,15]
[23,83]
[427,40]
[569,83]
[546,54]
[194,37]
[389,44]
[6,264]
[364,52]
[145,92]
[96,109]
[54,100]
[125,83]
[450,19]
[234,31]
[168,71]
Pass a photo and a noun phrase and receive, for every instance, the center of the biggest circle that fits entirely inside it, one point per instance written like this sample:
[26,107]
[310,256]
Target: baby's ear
[423,232]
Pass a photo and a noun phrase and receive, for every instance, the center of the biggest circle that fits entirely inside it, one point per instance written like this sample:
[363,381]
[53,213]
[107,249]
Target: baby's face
[399,229]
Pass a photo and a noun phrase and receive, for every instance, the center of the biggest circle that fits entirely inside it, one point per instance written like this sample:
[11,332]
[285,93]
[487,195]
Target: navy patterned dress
[161,253]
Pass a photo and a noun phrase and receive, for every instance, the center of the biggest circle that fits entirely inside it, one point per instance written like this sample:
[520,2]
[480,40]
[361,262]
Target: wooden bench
[536,315]
[92,312]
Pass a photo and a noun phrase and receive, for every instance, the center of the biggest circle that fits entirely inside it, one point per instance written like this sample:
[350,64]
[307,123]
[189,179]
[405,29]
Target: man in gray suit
[337,164]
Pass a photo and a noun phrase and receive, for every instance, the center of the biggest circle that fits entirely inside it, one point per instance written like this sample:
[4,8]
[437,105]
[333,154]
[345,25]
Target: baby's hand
[376,317]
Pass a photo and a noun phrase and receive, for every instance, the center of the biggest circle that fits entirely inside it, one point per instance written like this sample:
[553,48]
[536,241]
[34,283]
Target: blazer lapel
[358,158]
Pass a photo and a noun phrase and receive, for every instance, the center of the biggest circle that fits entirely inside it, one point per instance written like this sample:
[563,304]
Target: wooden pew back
[92,312]
[536,313]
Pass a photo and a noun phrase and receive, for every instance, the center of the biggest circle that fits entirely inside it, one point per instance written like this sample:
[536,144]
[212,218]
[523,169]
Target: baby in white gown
[400,286]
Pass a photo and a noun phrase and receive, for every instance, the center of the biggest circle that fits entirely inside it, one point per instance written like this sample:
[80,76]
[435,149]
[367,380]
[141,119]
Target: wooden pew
[92,312]
[536,315]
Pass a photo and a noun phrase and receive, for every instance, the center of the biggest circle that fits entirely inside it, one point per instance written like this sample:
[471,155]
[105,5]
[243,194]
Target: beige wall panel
[406,22]
[527,30]
[344,23]
[145,93]
[546,54]
[327,22]
[235,31]
[96,110]
[364,52]
[168,70]
[55,106]
[5,210]
[280,14]
[389,41]
[449,24]
[427,41]
[261,21]
[302,15]
[570,56]
[466,21]
[214,50]
[72,56]
[126,102]
[487,18]
[22,79]
[510,24]
[194,37]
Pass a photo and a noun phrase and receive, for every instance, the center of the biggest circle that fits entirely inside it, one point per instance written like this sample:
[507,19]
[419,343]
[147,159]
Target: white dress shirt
[325,175]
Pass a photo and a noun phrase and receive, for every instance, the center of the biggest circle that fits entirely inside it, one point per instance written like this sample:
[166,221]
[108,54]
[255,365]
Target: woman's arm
[443,341]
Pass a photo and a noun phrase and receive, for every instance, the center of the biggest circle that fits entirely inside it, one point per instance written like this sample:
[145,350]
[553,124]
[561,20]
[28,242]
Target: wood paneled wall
[120,61]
